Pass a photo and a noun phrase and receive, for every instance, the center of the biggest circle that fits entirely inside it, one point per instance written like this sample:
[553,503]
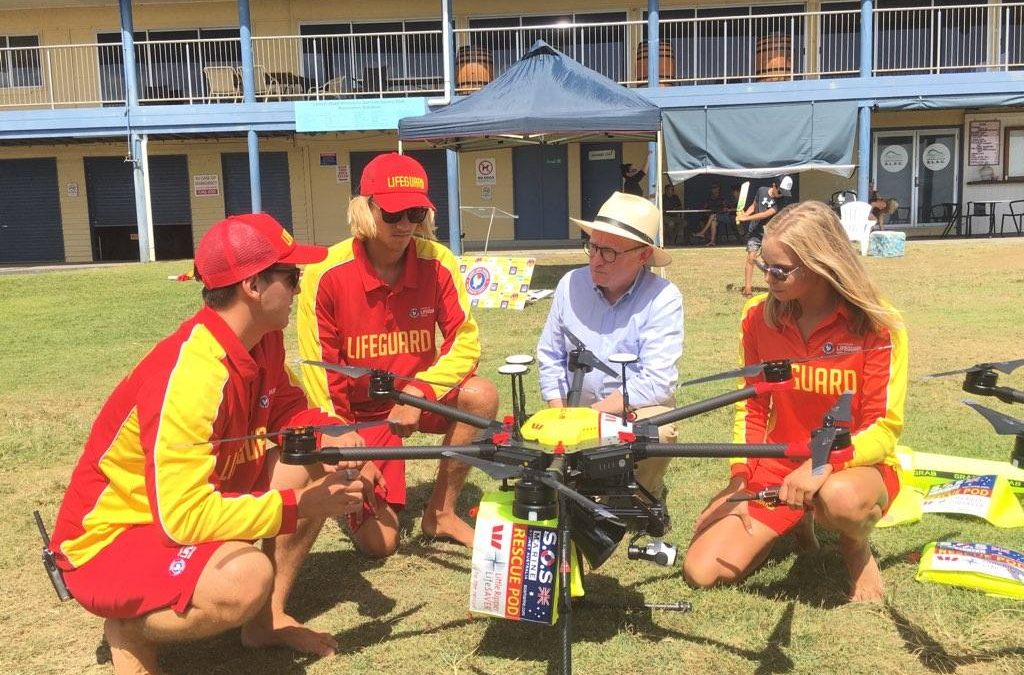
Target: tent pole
[659,158]
[400,150]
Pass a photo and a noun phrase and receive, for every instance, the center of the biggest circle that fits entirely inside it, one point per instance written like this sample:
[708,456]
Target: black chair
[841,197]
[950,213]
[1016,216]
[978,210]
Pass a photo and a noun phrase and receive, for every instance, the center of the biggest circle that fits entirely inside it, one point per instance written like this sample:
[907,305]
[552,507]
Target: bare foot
[806,541]
[446,524]
[130,654]
[287,632]
[866,584]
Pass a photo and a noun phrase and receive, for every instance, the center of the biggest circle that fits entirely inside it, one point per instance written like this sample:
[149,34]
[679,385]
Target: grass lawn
[70,336]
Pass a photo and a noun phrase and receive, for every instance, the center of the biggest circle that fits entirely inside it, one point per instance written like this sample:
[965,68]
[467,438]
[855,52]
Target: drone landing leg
[564,569]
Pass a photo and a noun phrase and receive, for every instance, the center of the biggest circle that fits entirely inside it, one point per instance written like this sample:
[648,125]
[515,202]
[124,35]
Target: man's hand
[405,419]
[719,507]
[336,494]
[352,439]
[610,404]
[370,476]
[800,486]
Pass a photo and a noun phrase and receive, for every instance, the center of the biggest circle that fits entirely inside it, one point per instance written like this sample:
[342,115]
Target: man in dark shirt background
[632,178]
[768,202]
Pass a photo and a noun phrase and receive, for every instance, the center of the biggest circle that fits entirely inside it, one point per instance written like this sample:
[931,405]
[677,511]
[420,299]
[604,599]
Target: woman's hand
[800,486]
[720,507]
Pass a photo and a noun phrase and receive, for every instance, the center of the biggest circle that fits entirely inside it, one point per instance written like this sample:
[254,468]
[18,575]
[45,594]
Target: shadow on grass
[932,655]
[621,609]
[547,276]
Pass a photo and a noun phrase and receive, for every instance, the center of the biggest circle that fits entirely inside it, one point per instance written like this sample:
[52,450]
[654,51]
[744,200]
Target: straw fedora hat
[631,217]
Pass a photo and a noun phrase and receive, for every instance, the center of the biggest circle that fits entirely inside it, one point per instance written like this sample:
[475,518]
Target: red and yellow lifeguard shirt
[149,458]
[348,315]
[877,378]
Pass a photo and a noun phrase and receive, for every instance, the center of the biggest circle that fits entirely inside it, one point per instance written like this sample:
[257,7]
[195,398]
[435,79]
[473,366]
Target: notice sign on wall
[485,171]
[206,185]
[328,159]
[984,142]
[344,173]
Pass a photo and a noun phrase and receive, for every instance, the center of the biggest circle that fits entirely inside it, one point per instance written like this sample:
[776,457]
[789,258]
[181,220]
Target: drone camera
[778,371]
[656,551]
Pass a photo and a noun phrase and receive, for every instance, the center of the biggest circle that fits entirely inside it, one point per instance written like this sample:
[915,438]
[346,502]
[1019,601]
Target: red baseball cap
[396,182]
[240,246]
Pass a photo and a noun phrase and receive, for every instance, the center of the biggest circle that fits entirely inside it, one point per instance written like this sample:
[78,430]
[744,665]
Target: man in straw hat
[616,304]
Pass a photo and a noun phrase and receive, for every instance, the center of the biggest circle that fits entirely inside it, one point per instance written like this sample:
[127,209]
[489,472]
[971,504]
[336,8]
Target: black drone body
[578,465]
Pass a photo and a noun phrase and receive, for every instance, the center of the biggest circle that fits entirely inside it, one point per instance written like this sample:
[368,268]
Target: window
[374,57]
[717,45]
[1013,152]
[839,48]
[595,39]
[924,36]
[19,61]
[168,63]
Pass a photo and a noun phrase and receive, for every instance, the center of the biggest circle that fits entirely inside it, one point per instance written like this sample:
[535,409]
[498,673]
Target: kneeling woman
[820,303]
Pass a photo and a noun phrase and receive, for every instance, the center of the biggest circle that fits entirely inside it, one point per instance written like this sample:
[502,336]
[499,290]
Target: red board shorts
[138,573]
[782,518]
[393,470]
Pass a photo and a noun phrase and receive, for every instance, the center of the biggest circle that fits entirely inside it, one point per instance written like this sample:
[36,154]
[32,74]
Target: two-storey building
[128,125]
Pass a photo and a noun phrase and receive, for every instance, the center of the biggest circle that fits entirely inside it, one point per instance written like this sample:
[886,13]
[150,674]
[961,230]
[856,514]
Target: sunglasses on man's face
[415,215]
[292,274]
[777,272]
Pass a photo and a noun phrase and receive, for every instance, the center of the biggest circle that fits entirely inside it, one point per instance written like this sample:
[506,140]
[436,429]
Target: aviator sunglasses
[777,272]
[415,215]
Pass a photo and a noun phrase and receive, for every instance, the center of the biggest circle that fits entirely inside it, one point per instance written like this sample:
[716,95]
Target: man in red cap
[156,530]
[377,301]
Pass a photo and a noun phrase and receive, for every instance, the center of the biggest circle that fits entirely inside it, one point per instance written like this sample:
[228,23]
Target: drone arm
[440,409]
[338,455]
[700,407]
[1008,394]
[644,450]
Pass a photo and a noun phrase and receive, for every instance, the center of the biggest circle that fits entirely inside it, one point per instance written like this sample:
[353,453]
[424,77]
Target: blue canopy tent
[544,98]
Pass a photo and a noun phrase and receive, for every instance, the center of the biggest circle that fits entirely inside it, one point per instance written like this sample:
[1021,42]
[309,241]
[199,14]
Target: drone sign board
[496,282]
[515,570]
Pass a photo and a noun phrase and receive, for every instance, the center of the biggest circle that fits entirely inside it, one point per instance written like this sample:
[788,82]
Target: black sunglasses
[292,274]
[777,272]
[415,215]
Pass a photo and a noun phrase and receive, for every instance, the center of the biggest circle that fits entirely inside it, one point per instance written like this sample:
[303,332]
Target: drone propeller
[755,369]
[1002,423]
[507,471]
[360,371]
[330,429]
[592,361]
[1002,366]
[821,442]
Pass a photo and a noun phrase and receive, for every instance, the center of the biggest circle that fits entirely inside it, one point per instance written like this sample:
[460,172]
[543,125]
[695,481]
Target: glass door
[920,169]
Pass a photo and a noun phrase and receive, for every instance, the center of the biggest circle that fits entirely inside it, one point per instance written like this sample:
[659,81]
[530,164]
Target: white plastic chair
[854,217]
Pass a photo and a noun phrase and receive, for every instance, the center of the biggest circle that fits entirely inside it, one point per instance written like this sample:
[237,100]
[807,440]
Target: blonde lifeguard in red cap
[156,529]
[378,301]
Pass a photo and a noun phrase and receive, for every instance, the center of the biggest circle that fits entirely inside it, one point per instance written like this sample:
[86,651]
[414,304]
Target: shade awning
[761,141]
